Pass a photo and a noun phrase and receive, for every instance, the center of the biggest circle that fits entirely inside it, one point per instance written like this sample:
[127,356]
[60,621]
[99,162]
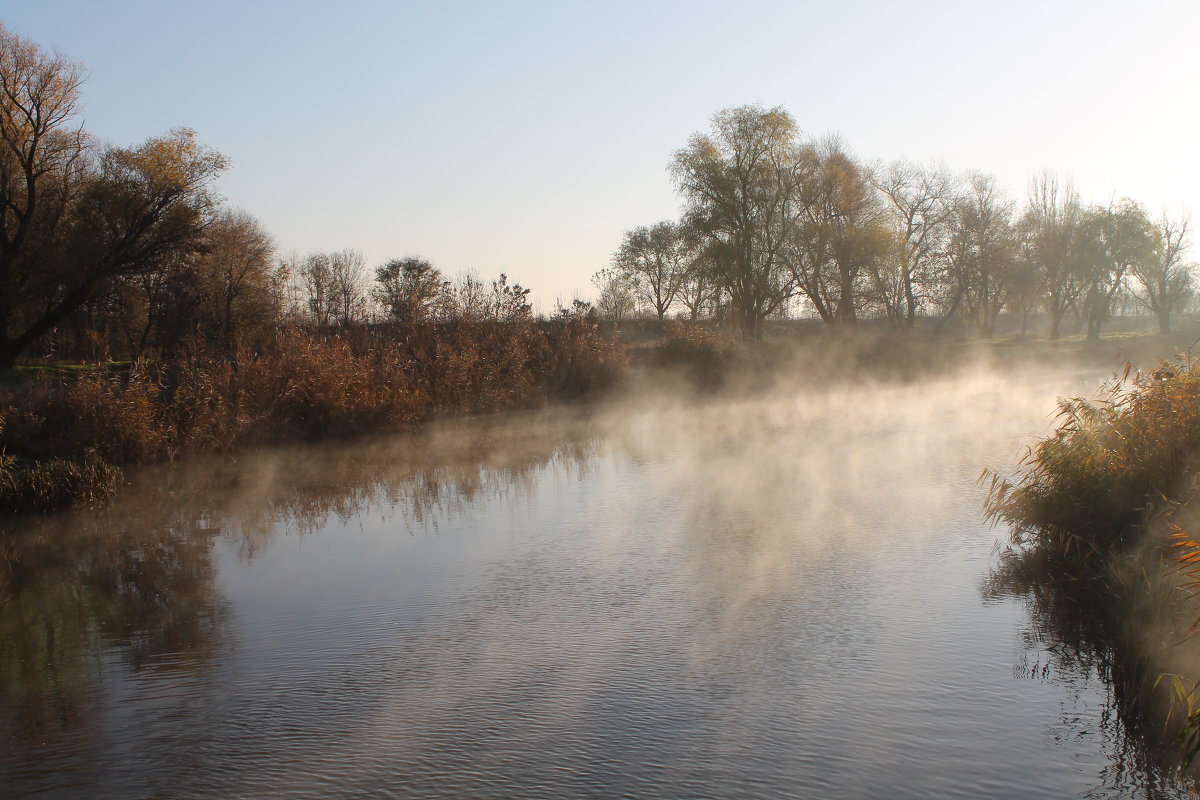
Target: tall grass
[1099,511]
[1111,462]
[62,437]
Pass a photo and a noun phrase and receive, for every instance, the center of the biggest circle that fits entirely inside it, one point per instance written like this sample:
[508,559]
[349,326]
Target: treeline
[773,221]
[127,253]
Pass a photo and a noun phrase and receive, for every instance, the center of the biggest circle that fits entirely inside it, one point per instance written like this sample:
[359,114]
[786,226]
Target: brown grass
[64,435]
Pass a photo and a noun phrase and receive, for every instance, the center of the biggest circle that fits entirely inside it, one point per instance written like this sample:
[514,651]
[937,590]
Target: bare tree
[982,250]
[920,203]
[348,285]
[1051,226]
[656,260]
[315,277]
[1165,278]
[617,300]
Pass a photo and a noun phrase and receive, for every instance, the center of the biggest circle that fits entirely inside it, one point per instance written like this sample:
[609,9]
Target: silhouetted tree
[1165,278]
[739,186]
[617,300]
[656,260]
[1051,228]
[408,288]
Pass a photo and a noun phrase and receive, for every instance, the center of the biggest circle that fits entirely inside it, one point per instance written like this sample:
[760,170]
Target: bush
[72,431]
[1111,461]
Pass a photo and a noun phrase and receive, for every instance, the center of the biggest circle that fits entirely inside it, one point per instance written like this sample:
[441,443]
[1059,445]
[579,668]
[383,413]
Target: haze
[525,137]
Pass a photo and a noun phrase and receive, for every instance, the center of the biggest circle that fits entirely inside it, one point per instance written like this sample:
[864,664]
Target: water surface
[772,597]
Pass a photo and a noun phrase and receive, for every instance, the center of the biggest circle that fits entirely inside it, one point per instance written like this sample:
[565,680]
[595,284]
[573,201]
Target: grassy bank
[1101,514]
[65,431]
[64,434]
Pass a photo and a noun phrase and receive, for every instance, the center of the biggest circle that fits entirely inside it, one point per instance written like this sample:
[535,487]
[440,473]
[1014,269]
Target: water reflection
[1081,635]
[754,597]
[92,598]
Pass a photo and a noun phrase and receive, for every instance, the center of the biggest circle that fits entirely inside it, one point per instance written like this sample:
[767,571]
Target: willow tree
[739,185]
[838,236]
[1112,242]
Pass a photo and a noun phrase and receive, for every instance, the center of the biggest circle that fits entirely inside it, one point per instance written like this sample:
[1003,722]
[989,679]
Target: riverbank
[1103,516]
[576,590]
[65,435]
[66,432]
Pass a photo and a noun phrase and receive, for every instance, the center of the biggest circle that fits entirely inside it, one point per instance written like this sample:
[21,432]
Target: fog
[777,589]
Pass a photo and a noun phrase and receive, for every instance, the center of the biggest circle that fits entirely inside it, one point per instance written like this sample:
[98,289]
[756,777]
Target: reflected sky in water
[755,597]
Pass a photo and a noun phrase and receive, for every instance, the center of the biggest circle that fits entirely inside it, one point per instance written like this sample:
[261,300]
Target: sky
[526,137]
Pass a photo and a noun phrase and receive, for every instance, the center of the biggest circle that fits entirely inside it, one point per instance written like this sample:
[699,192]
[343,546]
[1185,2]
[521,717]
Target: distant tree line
[772,218]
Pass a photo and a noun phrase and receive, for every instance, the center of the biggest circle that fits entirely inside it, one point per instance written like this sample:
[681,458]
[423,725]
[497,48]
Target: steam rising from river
[761,592]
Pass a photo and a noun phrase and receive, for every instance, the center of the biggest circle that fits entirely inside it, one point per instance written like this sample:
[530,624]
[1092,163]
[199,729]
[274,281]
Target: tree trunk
[1164,319]
[1056,322]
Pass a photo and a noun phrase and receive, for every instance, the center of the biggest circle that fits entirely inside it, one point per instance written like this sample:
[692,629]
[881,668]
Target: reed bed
[1113,462]
[63,439]
[1100,513]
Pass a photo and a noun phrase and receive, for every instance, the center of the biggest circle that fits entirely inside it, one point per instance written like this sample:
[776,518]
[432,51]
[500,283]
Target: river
[766,596]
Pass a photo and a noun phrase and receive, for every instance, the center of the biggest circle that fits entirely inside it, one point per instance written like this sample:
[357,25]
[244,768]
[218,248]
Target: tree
[617,300]
[739,186]
[226,295]
[655,259]
[74,217]
[333,286]
[315,277]
[140,208]
[920,204]
[982,250]
[700,290]
[1051,228]
[1111,241]
[44,163]
[838,235]
[1165,278]
[348,291]
[409,288]
[240,283]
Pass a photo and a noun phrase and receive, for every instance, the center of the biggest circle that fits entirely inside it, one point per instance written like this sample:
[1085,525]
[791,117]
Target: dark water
[778,597]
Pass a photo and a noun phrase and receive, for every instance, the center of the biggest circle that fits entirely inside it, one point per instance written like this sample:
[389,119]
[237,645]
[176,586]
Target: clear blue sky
[524,137]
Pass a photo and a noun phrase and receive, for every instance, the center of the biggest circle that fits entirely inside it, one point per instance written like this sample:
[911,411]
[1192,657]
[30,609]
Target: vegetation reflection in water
[95,600]
[1078,634]
[135,582]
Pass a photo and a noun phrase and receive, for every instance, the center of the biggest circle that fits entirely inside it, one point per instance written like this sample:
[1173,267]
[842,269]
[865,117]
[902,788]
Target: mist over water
[758,596]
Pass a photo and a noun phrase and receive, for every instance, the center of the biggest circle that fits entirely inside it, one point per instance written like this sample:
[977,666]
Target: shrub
[303,383]
[1110,462]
